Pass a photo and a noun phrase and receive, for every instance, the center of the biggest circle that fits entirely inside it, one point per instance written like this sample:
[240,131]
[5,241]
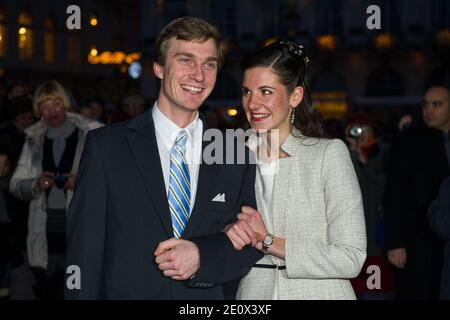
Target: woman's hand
[45,181]
[246,231]
[254,220]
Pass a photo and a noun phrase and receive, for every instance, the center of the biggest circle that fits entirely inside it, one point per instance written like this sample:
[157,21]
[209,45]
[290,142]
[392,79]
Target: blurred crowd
[401,167]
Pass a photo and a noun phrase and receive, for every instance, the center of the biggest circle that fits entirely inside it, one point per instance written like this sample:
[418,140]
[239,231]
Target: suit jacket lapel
[205,177]
[142,139]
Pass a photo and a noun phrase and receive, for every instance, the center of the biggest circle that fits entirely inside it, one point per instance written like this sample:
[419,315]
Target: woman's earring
[293,116]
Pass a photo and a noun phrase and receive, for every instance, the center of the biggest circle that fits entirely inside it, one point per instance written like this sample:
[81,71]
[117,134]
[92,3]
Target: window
[25,36]
[2,34]
[329,17]
[49,40]
[74,48]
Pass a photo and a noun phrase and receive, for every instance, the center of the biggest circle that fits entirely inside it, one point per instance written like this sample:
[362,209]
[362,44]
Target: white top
[266,172]
[166,133]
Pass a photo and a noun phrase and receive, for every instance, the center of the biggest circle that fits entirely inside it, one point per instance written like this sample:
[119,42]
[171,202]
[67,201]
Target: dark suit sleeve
[396,193]
[219,261]
[86,224]
[439,212]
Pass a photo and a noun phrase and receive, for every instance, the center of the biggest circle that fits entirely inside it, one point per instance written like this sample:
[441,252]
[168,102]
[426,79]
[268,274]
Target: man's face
[4,165]
[134,109]
[23,121]
[96,109]
[436,109]
[189,75]
[17,91]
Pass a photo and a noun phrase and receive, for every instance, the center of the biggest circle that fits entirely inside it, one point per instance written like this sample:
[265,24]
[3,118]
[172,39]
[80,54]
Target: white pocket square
[220,197]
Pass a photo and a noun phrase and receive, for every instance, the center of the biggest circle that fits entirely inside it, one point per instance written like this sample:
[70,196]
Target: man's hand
[70,181]
[241,235]
[248,230]
[178,259]
[397,257]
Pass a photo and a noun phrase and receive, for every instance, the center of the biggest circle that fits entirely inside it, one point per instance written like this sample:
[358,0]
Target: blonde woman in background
[45,177]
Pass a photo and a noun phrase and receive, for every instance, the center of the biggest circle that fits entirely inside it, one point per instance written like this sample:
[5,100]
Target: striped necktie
[179,185]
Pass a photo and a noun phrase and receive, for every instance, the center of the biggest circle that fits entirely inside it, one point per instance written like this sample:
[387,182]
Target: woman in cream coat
[310,220]
[53,145]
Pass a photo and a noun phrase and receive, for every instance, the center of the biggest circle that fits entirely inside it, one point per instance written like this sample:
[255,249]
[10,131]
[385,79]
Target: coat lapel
[281,186]
[142,140]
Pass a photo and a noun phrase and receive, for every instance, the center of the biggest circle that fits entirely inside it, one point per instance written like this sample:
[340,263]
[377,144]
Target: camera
[355,132]
[59,180]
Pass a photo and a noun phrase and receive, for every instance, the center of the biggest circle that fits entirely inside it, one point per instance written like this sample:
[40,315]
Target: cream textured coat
[317,207]
[26,175]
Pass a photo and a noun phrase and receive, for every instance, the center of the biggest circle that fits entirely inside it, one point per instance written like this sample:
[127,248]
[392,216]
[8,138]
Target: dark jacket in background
[418,165]
[439,217]
[371,178]
[11,142]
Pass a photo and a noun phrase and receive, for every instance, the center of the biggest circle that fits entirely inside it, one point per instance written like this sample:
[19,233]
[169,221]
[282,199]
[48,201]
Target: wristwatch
[268,240]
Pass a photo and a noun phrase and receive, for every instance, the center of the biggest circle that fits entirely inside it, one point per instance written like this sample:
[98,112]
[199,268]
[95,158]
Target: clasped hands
[179,259]
[248,230]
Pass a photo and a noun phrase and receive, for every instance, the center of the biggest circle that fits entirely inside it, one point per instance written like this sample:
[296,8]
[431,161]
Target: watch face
[268,240]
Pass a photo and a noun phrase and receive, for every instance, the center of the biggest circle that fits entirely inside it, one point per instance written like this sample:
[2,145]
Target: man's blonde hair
[50,90]
[188,29]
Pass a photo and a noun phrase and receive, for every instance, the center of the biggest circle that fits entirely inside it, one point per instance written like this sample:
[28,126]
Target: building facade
[36,44]
[349,61]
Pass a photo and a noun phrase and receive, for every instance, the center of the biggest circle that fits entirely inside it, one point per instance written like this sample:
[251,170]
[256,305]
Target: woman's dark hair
[289,62]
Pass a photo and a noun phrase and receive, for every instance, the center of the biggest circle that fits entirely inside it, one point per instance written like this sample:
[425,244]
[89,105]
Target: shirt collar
[168,130]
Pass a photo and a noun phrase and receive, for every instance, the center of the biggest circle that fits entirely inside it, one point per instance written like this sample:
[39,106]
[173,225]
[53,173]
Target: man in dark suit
[147,217]
[419,164]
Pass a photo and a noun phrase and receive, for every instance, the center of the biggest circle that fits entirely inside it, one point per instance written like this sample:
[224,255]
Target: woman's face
[53,112]
[266,102]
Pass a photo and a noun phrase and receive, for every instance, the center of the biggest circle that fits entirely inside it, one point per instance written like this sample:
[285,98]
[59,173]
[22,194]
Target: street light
[327,42]
[93,20]
[93,51]
[384,41]
[232,112]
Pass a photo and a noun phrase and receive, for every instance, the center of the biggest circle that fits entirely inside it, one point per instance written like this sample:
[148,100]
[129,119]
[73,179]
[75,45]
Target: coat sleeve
[439,212]
[23,183]
[86,220]
[343,255]
[219,261]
